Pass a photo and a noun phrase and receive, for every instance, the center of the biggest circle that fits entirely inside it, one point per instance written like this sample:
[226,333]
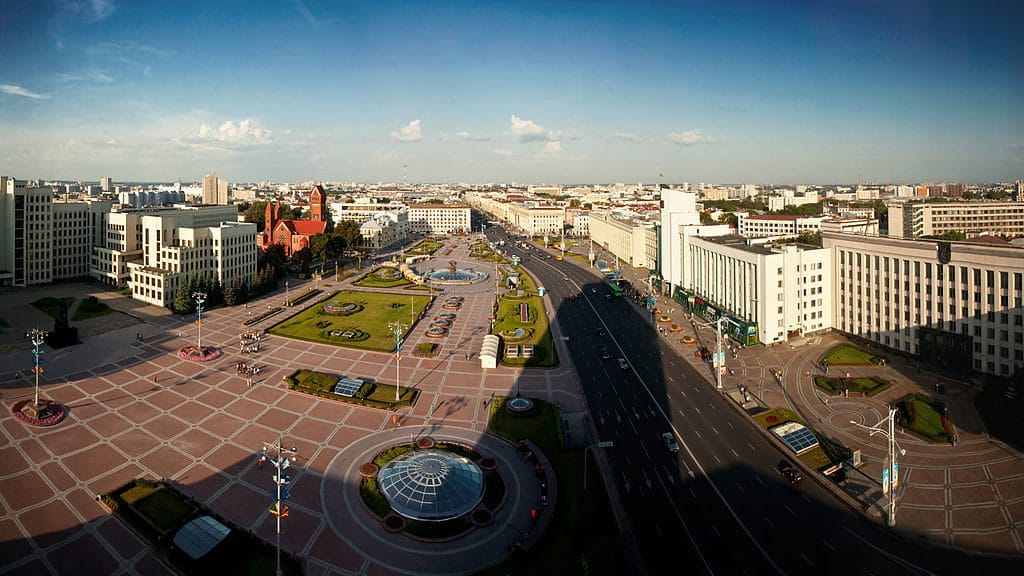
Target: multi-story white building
[776,225]
[77,228]
[439,219]
[179,244]
[381,231]
[537,220]
[916,219]
[127,238]
[769,292]
[956,304]
[790,198]
[26,234]
[680,221]
[628,239]
[578,221]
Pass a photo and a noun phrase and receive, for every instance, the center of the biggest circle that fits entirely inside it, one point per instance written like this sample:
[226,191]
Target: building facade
[957,305]
[215,190]
[627,239]
[916,219]
[439,219]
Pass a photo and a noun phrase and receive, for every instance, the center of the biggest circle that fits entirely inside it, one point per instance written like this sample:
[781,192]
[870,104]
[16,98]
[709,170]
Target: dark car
[601,332]
[605,354]
[790,472]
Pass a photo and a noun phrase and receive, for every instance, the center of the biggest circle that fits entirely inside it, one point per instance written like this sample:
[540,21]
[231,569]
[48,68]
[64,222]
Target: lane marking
[717,459]
[715,429]
[715,528]
[751,446]
[790,510]
[733,427]
[829,546]
[737,455]
[809,563]
[769,522]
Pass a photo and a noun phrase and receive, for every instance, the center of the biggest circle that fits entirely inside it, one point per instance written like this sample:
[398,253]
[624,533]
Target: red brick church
[295,235]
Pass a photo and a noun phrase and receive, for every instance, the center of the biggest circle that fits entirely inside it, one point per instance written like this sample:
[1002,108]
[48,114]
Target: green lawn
[424,247]
[372,394]
[867,386]
[165,509]
[582,538]
[540,334]
[91,307]
[847,354]
[372,279]
[51,305]
[816,458]
[928,422]
[369,323]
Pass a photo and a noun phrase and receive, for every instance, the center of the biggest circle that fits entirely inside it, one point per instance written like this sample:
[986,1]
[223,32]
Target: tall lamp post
[890,476]
[397,329]
[38,337]
[200,298]
[280,458]
[607,444]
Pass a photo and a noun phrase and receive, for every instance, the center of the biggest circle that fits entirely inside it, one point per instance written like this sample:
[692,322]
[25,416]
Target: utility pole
[397,329]
[890,476]
[719,362]
[280,458]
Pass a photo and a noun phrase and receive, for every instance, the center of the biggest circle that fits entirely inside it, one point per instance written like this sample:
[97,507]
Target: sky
[557,92]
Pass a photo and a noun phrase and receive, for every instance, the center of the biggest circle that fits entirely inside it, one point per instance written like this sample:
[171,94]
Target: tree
[274,257]
[231,293]
[349,232]
[256,212]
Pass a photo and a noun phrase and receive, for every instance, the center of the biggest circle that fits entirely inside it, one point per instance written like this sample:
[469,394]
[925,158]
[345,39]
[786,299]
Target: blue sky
[478,91]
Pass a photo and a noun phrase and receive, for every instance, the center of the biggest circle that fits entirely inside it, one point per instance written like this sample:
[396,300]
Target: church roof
[305,227]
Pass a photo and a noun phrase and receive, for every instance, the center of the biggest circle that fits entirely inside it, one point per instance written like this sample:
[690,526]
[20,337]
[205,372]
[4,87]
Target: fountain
[455,275]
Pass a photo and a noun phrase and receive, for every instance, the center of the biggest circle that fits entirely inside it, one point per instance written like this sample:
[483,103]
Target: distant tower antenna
[405,175]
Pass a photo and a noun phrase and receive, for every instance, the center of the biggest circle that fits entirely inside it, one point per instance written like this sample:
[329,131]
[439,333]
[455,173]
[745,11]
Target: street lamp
[890,477]
[200,298]
[286,299]
[607,444]
[280,458]
[397,329]
[37,337]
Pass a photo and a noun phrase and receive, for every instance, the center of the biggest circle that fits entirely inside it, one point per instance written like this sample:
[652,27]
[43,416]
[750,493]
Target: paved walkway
[969,496]
[137,410]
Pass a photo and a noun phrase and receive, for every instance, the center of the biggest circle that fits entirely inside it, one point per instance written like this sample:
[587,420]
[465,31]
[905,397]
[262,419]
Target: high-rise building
[215,190]
[916,219]
[105,183]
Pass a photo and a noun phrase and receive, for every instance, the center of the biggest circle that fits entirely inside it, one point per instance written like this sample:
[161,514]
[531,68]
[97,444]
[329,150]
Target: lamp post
[280,458]
[37,337]
[286,298]
[719,362]
[397,328]
[200,298]
[607,444]
[891,476]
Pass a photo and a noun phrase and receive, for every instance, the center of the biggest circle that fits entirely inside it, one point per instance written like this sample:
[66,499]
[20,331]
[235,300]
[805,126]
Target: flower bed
[263,316]
[196,354]
[57,412]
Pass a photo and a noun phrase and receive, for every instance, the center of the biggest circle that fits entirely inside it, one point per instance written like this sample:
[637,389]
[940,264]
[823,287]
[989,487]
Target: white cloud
[627,136]
[552,148]
[463,135]
[306,13]
[19,91]
[86,76]
[527,130]
[690,137]
[226,136]
[503,152]
[411,132]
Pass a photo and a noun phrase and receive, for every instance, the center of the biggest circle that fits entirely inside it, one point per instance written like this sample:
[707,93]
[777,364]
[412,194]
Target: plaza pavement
[968,496]
[138,410]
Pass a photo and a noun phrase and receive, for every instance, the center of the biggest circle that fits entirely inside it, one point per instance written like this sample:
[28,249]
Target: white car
[670,441]
[623,365]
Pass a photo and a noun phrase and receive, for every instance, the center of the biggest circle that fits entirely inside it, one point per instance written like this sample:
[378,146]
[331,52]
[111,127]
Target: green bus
[615,289]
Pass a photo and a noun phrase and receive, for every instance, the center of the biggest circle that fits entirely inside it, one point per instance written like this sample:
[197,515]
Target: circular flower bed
[675,328]
[51,415]
[368,470]
[688,340]
[196,354]
[336,308]
[664,319]
[425,443]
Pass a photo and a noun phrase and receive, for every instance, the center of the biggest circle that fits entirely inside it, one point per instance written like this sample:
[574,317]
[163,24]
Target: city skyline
[562,92]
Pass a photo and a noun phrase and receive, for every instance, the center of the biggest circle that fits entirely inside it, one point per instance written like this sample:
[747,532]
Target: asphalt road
[719,504]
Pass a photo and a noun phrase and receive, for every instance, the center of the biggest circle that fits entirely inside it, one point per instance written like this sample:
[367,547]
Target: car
[605,354]
[593,290]
[790,472]
[601,332]
[566,278]
[670,442]
[623,365]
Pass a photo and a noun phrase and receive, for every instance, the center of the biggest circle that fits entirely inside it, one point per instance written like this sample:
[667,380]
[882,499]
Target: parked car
[670,442]
[623,365]
[790,472]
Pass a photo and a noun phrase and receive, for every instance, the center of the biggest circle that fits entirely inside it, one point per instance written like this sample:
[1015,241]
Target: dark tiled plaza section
[138,410]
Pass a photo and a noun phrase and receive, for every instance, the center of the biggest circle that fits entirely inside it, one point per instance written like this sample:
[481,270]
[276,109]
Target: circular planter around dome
[394,523]
[425,443]
[481,517]
[519,405]
[368,470]
[487,464]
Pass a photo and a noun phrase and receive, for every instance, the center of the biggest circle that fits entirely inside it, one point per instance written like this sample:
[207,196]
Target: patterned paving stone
[84,555]
[94,462]
[24,490]
[165,461]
